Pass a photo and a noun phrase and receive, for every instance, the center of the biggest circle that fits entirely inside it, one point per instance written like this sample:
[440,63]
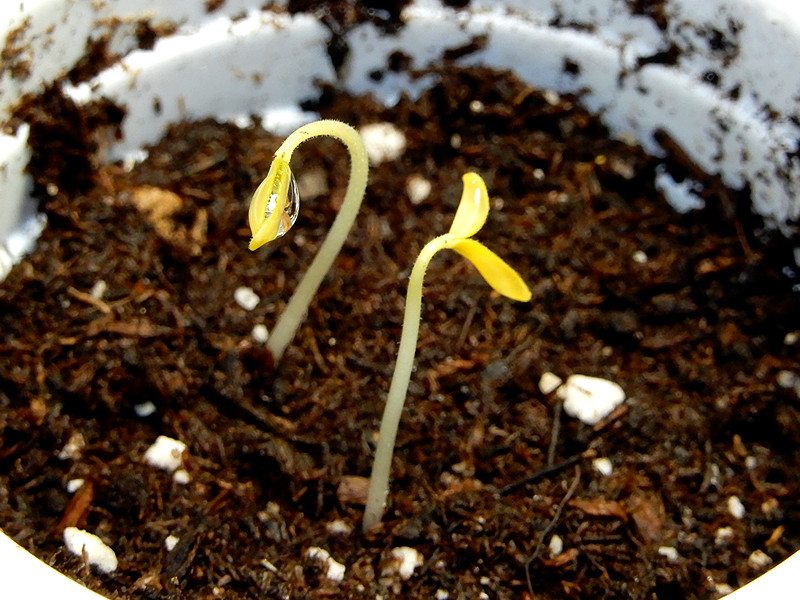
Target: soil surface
[128,306]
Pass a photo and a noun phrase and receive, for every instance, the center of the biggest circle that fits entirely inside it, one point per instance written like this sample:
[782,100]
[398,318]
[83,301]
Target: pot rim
[747,109]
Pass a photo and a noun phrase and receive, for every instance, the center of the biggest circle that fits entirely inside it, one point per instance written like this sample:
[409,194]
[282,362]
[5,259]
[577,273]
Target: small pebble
[603,466]
[791,338]
[334,570]
[181,477]
[639,257]
[246,298]
[735,507]
[549,382]
[668,552]
[80,543]
[166,453]
[759,560]
[383,142]
[442,594]
[590,399]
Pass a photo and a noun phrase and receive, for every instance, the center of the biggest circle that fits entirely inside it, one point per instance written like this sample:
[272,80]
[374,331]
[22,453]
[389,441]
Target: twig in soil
[462,337]
[549,470]
[554,433]
[89,299]
[77,509]
[263,417]
[470,217]
[615,415]
[550,526]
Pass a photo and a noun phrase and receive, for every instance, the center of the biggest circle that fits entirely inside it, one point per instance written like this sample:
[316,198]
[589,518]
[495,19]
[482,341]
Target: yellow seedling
[470,217]
[274,208]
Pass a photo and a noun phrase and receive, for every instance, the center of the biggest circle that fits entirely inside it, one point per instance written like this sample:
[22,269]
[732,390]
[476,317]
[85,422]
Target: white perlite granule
[668,552]
[145,409]
[556,545]
[99,289]
[549,382]
[723,535]
[72,449]
[787,379]
[603,466]
[418,188]
[73,485]
[338,527]
[170,542]
[260,333]
[590,399]
[246,298]
[735,507]
[80,543]
[334,570]
[759,560]
[165,453]
[404,562]
[181,477]
[383,142]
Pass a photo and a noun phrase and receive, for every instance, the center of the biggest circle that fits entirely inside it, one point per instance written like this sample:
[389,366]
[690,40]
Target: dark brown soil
[689,314]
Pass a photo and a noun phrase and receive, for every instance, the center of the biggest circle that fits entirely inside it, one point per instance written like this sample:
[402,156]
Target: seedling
[470,217]
[274,208]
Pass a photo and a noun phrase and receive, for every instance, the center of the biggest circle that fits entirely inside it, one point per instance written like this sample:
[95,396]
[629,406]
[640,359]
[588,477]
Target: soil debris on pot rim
[123,326]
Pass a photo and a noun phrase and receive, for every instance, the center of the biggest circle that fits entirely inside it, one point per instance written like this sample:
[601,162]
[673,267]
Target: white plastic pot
[721,77]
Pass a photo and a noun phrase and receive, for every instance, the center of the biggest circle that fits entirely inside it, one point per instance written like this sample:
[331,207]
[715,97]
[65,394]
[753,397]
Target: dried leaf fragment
[648,513]
[159,206]
[600,507]
[352,490]
[565,558]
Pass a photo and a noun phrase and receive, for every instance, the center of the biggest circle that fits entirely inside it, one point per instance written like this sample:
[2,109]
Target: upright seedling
[470,217]
[274,208]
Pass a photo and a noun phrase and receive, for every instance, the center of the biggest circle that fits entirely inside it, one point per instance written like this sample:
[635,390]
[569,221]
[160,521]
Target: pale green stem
[296,309]
[381,467]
